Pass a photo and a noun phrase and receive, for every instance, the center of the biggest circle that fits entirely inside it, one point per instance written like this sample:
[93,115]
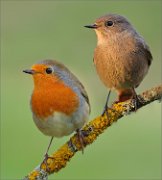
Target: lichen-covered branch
[91,131]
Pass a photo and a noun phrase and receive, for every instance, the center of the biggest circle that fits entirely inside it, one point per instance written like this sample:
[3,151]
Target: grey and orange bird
[59,102]
[122,57]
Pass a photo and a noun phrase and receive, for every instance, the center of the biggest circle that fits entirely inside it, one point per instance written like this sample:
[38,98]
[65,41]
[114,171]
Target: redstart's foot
[81,139]
[46,157]
[136,102]
[112,110]
[105,111]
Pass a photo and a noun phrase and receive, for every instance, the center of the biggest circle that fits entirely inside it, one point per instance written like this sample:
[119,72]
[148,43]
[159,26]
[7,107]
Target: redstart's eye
[49,70]
[108,23]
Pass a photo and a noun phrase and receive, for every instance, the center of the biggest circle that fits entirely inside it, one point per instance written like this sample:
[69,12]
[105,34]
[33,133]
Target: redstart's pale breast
[59,102]
[122,57]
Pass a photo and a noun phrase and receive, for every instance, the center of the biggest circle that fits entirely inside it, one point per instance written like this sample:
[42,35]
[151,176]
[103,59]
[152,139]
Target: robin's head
[109,25]
[55,89]
[46,72]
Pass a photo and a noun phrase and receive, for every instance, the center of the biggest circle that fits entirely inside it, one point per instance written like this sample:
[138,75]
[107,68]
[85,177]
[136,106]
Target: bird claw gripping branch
[73,143]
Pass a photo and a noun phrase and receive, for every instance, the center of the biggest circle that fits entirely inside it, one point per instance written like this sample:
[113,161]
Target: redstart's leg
[106,104]
[136,99]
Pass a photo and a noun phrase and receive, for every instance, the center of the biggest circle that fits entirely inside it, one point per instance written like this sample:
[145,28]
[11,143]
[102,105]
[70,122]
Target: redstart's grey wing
[144,50]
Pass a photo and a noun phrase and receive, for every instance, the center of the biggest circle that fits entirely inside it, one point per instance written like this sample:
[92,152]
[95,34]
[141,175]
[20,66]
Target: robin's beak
[29,71]
[92,26]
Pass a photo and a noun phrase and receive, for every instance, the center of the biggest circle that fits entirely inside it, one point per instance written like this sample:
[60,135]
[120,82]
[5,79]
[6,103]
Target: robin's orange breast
[54,98]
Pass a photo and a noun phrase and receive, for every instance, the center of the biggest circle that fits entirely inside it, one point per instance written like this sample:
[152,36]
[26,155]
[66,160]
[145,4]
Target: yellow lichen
[33,175]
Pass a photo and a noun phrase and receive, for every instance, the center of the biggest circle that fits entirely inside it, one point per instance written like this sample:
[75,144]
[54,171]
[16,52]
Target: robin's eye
[108,23]
[49,70]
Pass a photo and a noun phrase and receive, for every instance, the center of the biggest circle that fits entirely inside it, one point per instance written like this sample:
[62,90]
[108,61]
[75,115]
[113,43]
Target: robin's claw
[46,157]
[81,139]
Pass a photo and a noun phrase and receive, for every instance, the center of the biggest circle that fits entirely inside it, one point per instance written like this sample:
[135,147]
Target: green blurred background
[36,30]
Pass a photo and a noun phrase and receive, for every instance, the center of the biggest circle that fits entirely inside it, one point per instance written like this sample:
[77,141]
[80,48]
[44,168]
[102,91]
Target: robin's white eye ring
[109,23]
[49,70]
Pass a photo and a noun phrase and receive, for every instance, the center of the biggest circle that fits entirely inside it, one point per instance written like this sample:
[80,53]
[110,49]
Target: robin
[59,102]
[122,57]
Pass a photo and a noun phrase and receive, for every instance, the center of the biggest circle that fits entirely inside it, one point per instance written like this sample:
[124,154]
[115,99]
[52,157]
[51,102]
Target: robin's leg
[81,139]
[46,154]
[106,105]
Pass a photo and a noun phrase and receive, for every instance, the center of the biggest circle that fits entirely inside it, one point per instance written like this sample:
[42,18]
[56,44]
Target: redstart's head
[110,25]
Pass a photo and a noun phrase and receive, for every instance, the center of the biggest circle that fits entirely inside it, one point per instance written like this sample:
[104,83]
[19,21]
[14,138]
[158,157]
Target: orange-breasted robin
[122,57]
[59,102]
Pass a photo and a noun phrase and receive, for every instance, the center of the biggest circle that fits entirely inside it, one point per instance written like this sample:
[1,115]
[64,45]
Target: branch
[91,131]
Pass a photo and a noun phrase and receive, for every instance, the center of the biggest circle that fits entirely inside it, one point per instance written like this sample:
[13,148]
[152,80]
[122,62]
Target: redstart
[122,57]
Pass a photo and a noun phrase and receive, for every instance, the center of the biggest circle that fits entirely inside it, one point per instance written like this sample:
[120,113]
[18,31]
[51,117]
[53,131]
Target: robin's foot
[46,157]
[80,135]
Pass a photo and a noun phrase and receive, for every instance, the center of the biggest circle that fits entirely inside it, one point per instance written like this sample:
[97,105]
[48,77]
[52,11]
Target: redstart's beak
[29,71]
[92,26]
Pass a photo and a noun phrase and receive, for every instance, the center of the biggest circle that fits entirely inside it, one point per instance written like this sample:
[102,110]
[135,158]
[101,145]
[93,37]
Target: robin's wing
[82,91]
[84,94]
[72,77]
[80,86]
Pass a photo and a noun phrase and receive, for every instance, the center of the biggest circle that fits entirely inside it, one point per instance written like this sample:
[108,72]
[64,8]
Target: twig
[91,131]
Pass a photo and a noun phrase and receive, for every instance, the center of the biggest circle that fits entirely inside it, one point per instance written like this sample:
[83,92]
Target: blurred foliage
[36,30]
